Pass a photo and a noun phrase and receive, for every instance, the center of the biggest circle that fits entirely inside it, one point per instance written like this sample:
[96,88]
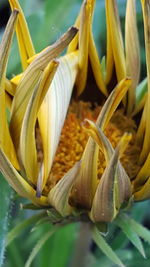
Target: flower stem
[82,246]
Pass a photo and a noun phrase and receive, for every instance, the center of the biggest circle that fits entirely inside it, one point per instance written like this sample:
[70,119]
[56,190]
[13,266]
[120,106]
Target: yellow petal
[24,40]
[28,151]
[17,181]
[8,100]
[16,79]
[30,79]
[112,102]
[84,30]
[146,16]
[116,39]
[73,46]
[110,57]
[141,128]
[132,52]
[59,194]
[54,108]
[9,87]
[96,66]
[144,192]
[143,174]
[5,139]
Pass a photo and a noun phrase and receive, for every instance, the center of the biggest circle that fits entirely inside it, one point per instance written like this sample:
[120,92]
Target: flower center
[73,140]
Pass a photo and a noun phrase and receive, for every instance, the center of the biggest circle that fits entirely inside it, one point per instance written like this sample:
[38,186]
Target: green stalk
[82,246]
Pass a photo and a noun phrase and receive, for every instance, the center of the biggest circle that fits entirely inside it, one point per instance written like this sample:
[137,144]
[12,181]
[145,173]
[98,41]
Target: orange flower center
[73,140]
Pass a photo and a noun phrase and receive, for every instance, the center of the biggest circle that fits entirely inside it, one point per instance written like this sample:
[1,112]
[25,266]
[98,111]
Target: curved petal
[29,80]
[18,183]
[5,139]
[27,149]
[59,194]
[24,39]
[114,187]
[116,39]
[132,52]
[54,108]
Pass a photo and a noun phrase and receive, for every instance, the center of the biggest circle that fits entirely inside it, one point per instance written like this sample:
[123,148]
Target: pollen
[73,140]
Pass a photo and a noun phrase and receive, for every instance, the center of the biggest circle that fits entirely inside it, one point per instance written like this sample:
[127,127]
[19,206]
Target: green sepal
[105,248]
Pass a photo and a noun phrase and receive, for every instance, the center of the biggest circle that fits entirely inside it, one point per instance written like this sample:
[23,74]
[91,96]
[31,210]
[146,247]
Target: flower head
[76,159]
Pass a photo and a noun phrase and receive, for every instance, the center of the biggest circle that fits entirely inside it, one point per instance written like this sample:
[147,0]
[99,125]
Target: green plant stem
[82,246]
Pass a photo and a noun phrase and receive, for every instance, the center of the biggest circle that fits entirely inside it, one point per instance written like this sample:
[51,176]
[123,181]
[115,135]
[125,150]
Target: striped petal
[132,52]
[116,41]
[54,108]
[28,151]
[17,181]
[29,80]
[144,192]
[24,40]
[84,41]
[114,188]
[59,194]
[146,17]
[5,139]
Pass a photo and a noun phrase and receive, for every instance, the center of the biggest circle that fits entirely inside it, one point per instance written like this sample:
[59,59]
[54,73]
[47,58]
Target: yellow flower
[76,158]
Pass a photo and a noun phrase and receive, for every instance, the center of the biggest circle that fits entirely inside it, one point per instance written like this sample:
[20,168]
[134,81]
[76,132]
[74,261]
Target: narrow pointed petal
[84,187]
[84,30]
[29,80]
[73,46]
[132,52]
[9,87]
[28,151]
[5,139]
[114,187]
[8,101]
[87,179]
[54,108]
[59,194]
[24,39]
[146,17]
[17,181]
[112,102]
[96,66]
[143,174]
[116,39]
[105,146]
[110,58]
[142,126]
[144,192]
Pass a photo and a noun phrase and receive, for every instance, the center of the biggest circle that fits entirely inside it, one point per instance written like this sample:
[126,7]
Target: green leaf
[106,249]
[130,233]
[22,226]
[39,245]
[138,228]
[58,249]
[5,199]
